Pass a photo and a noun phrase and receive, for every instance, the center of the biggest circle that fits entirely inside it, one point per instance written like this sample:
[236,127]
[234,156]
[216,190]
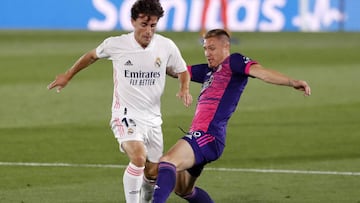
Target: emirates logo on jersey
[157,62]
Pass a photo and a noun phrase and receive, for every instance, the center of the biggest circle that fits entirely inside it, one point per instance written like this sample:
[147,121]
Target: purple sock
[198,195]
[165,182]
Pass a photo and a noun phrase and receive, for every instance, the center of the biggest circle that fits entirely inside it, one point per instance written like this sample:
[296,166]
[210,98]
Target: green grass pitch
[273,128]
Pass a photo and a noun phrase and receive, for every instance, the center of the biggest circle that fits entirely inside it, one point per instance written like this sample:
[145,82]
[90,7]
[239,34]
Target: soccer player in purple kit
[224,79]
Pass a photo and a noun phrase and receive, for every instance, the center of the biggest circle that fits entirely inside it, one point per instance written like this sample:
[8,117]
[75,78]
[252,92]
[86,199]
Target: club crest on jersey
[130,131]
[157,62]
[246,59]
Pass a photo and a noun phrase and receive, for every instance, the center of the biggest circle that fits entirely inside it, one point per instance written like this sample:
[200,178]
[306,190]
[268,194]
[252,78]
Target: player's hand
[186,97]
[302,86]
[60,82]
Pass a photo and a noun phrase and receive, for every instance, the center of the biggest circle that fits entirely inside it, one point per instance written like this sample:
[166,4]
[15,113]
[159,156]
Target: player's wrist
[291,83]
[184,89]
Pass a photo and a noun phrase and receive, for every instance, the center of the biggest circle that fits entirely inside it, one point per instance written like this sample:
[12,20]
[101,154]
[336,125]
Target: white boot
[147,190]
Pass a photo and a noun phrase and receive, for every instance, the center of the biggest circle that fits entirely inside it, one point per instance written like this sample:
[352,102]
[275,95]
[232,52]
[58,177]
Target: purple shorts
[206,149]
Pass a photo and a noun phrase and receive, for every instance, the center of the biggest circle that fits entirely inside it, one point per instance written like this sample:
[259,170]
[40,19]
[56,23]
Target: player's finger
[307,91]
[187,100]
[51,85]
[58,89]
[183,98]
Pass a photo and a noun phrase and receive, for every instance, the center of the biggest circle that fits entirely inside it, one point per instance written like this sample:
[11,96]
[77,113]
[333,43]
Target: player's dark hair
[148,8]
[218,33]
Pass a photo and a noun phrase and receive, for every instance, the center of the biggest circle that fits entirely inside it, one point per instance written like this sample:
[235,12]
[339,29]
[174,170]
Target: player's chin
[145,41]
[210,63]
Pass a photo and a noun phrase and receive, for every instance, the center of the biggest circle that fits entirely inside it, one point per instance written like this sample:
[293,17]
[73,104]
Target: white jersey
[139,74]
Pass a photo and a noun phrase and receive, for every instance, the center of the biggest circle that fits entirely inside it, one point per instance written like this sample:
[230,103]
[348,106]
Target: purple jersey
[220,94]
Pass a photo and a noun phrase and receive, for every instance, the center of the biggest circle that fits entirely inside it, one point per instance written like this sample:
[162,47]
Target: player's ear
[133,22]
[227,45]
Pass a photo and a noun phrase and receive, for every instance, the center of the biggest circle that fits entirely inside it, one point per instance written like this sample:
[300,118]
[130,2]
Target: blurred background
[185,15]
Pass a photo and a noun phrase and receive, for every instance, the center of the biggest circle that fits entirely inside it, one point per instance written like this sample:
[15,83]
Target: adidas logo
[134,192]
[128,63]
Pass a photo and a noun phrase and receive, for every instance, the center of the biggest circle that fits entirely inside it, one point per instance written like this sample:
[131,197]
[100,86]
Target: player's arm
[274,77]
[184,94]
[84,61]
[170,72]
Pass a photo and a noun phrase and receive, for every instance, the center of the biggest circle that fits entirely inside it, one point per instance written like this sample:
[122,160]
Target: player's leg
[185,187]
[206,149]
[130,139]
[155,146]
[133,175]
[178,158]
[147,188]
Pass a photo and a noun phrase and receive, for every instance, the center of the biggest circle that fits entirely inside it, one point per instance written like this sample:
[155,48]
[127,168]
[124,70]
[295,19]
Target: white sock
[132,180]
[147,190]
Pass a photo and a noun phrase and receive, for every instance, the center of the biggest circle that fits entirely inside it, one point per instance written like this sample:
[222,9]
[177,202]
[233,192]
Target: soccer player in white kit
[140,62]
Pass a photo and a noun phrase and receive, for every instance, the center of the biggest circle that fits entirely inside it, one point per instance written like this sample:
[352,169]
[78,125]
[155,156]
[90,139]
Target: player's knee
[138,160]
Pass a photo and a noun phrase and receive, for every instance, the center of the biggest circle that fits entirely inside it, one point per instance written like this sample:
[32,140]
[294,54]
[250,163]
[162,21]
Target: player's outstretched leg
[165,182]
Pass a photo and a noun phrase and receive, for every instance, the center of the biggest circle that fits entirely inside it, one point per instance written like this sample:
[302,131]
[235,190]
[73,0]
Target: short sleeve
[198,72]
[241,64]
[101,49]
[176,61]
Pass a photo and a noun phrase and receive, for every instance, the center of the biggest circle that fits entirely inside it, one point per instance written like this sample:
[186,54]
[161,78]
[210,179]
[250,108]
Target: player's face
[144,29]
[216,51]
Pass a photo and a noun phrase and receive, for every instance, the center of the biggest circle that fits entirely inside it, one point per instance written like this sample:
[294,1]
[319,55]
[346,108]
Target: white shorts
[128,129]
